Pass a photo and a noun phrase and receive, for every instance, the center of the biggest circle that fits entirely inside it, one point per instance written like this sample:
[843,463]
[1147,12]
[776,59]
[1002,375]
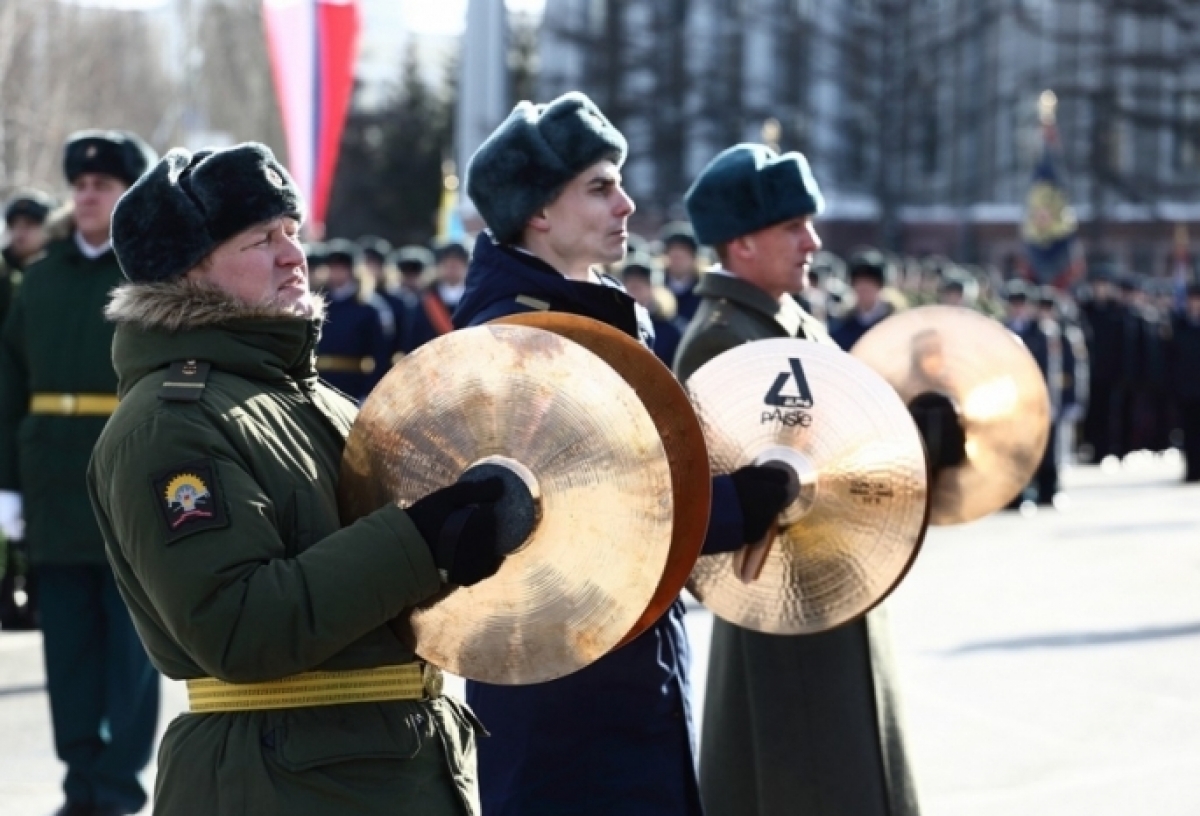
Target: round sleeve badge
[187,499]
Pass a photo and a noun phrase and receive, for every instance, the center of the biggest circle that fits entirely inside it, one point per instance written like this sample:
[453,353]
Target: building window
[1187,130]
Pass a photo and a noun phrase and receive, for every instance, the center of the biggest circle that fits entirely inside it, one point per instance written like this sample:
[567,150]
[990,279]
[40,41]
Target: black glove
[459,525]
[763,493]
[941,430]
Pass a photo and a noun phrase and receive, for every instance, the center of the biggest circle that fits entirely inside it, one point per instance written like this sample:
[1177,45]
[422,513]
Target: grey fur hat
[179,212]
[749,187]
[536,152]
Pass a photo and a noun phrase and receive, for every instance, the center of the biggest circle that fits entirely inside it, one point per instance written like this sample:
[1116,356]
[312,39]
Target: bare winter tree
[64,68]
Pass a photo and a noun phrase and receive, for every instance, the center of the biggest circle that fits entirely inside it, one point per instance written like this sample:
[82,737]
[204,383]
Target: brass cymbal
[577,434]
[858,476]
[996,387]
[678,427]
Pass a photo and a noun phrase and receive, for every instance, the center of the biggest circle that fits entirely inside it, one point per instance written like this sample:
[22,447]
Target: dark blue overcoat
[615,737]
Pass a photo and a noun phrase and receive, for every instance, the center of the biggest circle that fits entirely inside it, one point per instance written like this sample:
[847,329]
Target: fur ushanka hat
[534,153]
[117,153]
[750,187]
[180,211]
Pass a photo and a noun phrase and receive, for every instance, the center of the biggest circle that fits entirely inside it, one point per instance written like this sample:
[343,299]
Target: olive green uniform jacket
[55,340]
[253,577]
[10,279]
[806,725]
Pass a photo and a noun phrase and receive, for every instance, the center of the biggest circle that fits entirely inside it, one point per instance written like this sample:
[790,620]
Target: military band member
[637,275]
[215,486]
[25,222]
[792,724]
[438,300]
[868,277]
[359,337]
[681,257]
[57,388]
[615,737]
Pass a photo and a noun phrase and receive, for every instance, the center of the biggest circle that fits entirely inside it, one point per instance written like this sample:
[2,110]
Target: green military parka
[807,725]
[252,577]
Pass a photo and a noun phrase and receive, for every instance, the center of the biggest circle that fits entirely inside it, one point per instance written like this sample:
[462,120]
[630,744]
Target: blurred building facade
[920,117]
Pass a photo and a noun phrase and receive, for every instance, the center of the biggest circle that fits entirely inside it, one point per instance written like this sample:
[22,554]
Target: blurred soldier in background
[1104,328]
[375,252]
[24,220]
[432,317]
[681,254]
[868,276]
[638,276]
[411,264]
[1185,377]
[355,350]
[57,389]
[393,310]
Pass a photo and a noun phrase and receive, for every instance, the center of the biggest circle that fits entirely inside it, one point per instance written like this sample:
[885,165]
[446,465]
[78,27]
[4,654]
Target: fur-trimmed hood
[60,223]
[180,305]
[162,323]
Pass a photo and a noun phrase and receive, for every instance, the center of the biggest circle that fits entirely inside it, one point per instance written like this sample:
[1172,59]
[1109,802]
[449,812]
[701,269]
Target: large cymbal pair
[600,434]
[864,490]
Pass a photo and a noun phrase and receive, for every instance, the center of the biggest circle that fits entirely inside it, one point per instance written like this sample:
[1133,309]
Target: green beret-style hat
[534,153]
[179,212]
[750,187]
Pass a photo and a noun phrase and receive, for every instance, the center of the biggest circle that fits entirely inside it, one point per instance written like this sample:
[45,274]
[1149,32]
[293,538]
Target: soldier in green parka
[804,725]
[215,485]
[57,389]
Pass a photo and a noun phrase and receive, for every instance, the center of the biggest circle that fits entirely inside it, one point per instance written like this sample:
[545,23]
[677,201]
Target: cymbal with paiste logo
[997,391]
[554,416]
[857,476]
[678,428]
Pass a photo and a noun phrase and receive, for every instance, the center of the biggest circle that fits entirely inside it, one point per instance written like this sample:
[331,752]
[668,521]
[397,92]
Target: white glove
[12,521]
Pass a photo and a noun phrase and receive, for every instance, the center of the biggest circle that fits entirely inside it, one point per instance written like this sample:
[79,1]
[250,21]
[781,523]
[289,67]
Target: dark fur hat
[869,264]
[412,259]
[749,187]
[374,248]
[180,211]
[679,233]
[115,153]
[451,248]
[32,204]
[534,153]
[342,252]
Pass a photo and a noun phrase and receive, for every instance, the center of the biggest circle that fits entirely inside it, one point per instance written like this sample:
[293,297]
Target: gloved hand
[762,493]
[940,429]
[12,519]
[458,524]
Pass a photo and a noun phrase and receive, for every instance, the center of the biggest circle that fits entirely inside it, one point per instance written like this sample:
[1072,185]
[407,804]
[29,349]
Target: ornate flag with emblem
[1050,229]
[313,46]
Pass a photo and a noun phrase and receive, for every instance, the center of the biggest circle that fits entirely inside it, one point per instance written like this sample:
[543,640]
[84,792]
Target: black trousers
[1190,420]
[103,690]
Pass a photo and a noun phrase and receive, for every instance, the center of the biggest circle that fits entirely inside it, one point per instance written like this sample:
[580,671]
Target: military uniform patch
[188,501]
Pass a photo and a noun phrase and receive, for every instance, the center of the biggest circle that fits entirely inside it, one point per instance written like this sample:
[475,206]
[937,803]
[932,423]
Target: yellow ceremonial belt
[73,404]
[412,681]
[344,364]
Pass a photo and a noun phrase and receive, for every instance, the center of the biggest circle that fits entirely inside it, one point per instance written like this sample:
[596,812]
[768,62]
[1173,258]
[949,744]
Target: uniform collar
[785,311]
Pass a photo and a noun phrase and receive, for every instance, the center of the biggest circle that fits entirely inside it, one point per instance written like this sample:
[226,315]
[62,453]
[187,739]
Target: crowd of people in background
[1120,351]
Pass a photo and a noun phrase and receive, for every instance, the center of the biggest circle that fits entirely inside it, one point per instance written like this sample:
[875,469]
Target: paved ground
[1050,664]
